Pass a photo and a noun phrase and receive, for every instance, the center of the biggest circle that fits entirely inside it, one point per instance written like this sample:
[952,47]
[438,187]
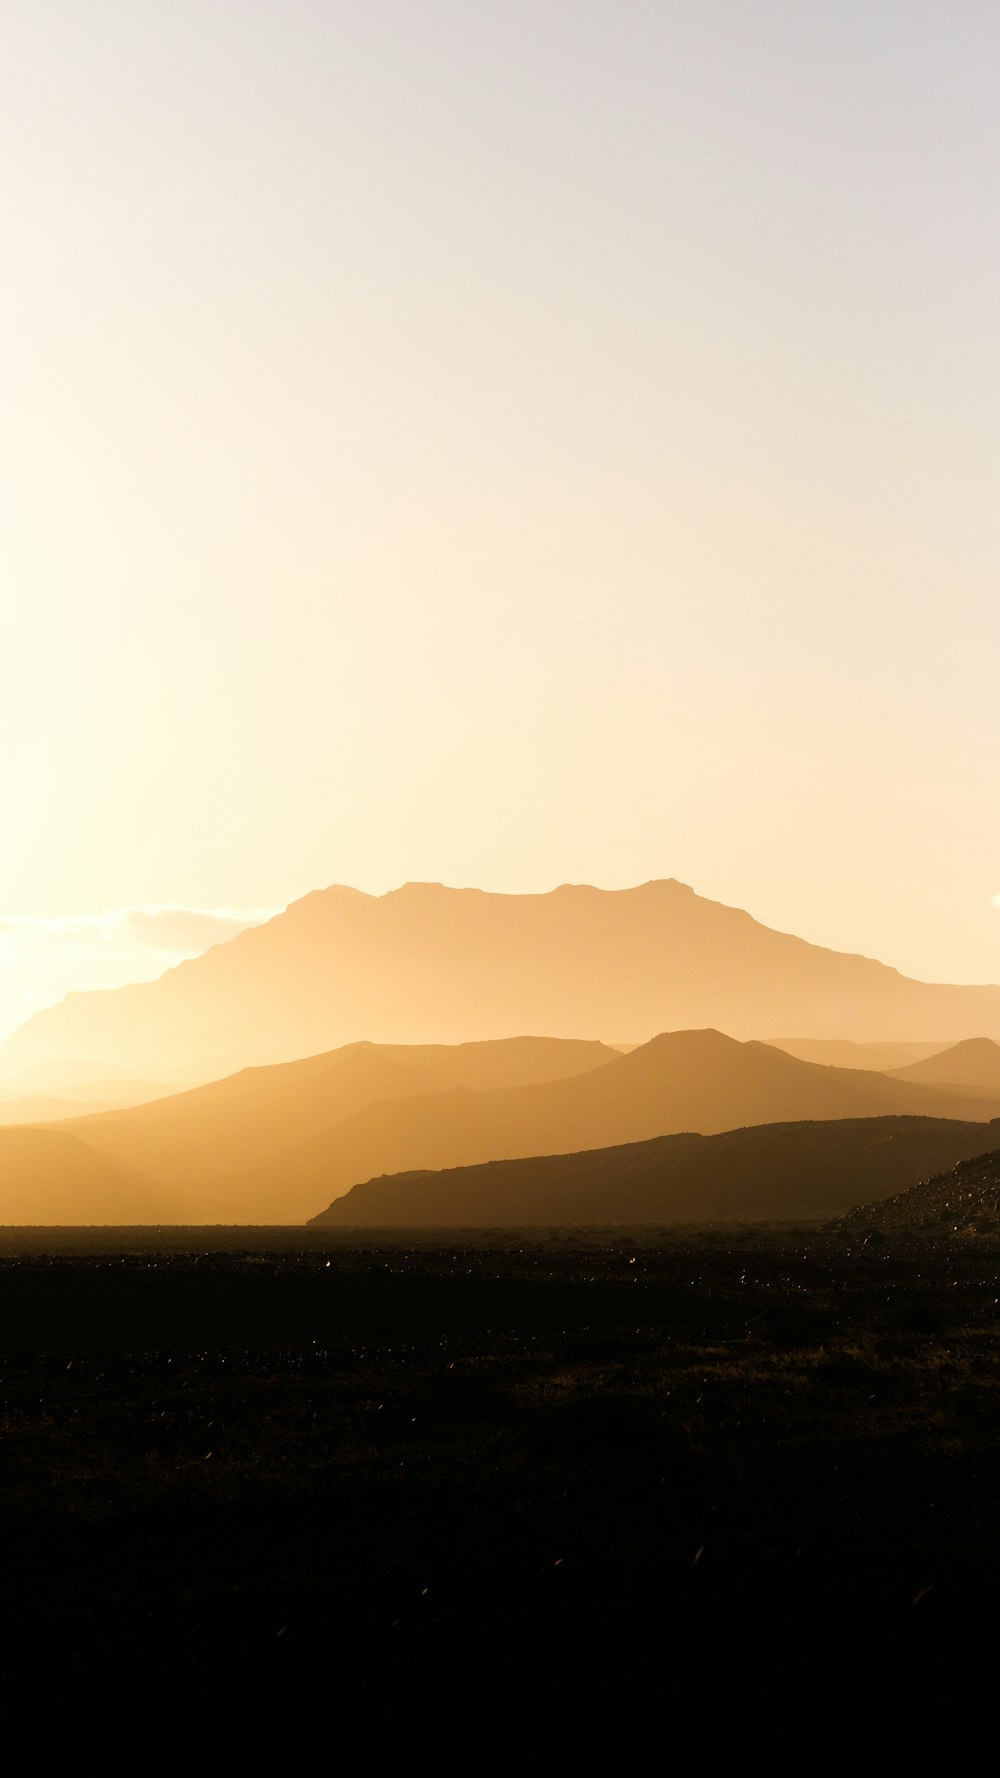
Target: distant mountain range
[787,1172]
[275,1144]
[225,1152]
[682,1080]
[428,964]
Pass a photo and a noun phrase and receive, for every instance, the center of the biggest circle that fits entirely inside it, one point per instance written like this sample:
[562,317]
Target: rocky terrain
[963,1201]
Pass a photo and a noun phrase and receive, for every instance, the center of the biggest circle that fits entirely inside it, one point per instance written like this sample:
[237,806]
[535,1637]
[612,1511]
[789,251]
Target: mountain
[428,964]
[963,1201]
[974,1064]
[775,1172]
[681,1081]
[194,1141]
[48,1176]
[272,1144]
[882,1058]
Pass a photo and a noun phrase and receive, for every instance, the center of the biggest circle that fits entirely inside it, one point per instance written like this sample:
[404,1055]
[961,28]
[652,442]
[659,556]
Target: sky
[499,445]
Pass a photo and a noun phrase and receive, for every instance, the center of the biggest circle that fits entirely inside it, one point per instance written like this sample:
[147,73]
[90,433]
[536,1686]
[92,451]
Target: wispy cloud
[43,958]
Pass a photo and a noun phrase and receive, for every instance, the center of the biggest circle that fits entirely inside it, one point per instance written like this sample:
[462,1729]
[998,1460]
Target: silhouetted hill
[964,1200]
[192,1141]
[428,964]
[775,1172]
[974,1064]
[682,1080]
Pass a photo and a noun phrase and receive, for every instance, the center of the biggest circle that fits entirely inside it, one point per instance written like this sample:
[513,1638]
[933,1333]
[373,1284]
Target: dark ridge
[771,1172]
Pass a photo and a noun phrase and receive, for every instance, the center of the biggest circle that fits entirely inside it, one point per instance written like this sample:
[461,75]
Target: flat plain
[500,1500]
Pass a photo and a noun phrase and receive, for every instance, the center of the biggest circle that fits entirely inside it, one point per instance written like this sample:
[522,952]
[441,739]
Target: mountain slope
[973,1064]
[190,1141]
[775,1172]
[272,1144]
[681,1081]
[428,964]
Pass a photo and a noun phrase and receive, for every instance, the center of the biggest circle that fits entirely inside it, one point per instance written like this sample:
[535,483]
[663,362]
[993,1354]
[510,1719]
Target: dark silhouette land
[268,1493]
[775,1173]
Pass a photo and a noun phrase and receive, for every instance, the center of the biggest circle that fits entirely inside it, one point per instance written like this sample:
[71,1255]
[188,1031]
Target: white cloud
[44,958]
[995,903]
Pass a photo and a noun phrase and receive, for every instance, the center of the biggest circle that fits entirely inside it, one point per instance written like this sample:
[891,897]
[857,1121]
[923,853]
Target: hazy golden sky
[503,444]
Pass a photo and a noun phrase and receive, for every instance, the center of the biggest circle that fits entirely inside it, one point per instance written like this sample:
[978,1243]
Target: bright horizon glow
[43,959]
[503,446]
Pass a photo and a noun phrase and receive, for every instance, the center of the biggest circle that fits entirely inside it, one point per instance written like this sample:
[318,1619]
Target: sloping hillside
[428,964]
[775,1172]
[682,1080]
[194,1140]
[272,1144]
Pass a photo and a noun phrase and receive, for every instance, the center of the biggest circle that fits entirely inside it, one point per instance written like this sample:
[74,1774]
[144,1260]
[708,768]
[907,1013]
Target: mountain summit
[429,964]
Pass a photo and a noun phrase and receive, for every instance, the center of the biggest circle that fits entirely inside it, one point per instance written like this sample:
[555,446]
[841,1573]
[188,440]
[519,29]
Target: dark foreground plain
[499,1502]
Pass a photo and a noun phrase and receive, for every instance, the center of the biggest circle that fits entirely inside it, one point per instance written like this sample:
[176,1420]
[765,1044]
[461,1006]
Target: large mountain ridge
[430,964]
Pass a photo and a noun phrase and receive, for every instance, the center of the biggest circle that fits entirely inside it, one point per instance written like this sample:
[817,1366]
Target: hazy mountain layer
[275,1144]
[881,1058]
[59,1077]
[775,1172]
[37,1109]
[48,1176]
[683,1080]
[975,1063]
[194,1140]
[428,964]
[94,1096]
